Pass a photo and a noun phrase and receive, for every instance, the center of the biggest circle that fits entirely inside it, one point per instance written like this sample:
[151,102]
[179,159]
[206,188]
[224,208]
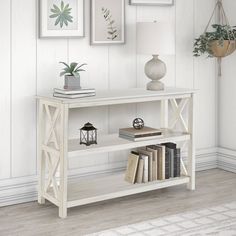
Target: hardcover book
[71,96]
[76,91]
[167,163]
[161,161]
[145,168]
[139,178]
[131,168]
[174,155]
[150,162]
[139,133]
[177,162]
[139,138]
[154,161]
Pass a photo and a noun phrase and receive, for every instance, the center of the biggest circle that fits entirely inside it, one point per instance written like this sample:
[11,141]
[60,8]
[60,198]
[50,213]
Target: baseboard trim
[18,190]
[24,189]
[206,159]
[226,159]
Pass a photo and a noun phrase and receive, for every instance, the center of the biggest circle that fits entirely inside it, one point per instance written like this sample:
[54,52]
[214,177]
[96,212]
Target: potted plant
[72,75]
[218,43]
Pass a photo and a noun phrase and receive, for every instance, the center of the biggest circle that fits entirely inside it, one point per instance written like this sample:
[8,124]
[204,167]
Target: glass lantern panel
[91,136]
[83,136]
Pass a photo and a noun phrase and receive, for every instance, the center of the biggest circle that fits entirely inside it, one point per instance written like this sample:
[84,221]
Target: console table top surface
[119,96]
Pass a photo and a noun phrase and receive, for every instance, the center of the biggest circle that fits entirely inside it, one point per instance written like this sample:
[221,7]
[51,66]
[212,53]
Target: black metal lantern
[88,134]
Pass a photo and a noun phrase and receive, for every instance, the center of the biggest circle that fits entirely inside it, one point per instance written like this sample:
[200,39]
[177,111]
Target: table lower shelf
[100,188]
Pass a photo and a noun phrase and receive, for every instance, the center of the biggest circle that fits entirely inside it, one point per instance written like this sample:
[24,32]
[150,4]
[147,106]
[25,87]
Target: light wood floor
[213,187]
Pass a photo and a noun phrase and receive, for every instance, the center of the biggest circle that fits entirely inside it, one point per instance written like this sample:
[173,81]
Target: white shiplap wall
[227,103]
[30,65]
[227,87]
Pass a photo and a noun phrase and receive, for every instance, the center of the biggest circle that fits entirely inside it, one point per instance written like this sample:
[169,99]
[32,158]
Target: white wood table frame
[54,148]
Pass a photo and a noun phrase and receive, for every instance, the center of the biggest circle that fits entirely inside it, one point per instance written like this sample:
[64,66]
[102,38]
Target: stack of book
[151,163]
[67,93]
[139,134]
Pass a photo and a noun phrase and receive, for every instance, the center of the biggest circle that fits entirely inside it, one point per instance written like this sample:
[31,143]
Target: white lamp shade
[155,38]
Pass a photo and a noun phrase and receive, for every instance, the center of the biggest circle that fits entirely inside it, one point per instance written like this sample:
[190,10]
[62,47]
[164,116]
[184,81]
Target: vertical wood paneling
[227,95]
[23,88]
[49,54]
[96,76]
[5,106]
[122,74]
[205,82]
[184,31]
[36,68]
[80,50]
[120,116]
[122,58]
[184,43]
[98,117]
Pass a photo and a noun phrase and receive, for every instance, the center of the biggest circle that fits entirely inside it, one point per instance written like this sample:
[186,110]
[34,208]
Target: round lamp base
[155,85]
[155,69]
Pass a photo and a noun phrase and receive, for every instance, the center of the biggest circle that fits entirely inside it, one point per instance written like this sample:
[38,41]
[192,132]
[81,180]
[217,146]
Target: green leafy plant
[202,44]
[62,14]
[73,69]
[111,28]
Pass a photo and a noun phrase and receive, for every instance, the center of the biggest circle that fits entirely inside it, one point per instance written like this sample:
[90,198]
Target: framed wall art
[61,18]
[107,22]
[152,2]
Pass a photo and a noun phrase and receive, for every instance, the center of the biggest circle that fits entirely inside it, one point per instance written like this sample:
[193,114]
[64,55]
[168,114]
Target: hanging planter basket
[222,49]
[220,42]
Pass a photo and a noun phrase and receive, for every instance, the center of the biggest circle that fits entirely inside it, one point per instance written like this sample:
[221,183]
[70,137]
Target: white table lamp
[155,38]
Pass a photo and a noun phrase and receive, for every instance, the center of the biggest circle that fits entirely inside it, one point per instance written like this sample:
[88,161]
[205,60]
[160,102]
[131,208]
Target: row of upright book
[154,162]
[73,93]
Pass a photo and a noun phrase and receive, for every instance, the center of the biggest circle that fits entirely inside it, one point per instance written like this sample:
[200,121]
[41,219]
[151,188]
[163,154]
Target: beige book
[143,151]
[139,132]
[161,162]
[139,178]
[131,168]
[154,162]
[145,167]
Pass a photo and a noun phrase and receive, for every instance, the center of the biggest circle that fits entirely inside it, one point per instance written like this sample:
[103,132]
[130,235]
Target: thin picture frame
[152,2]
[94,22]
[44,17]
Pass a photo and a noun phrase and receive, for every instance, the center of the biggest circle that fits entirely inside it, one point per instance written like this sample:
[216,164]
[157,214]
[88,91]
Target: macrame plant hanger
[222,19]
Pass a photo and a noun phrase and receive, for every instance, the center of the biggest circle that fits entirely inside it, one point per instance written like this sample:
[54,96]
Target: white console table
[54,147]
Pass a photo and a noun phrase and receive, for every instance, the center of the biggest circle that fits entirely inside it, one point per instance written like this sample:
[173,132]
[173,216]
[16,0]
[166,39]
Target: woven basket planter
[222,50]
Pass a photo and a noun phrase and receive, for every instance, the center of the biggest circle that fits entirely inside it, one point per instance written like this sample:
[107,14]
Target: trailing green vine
[202,44]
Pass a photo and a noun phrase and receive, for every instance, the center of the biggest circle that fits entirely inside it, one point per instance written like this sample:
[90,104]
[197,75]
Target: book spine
[131,170]
[150,168]
[139,179]
[159,167]
[145,169]
[163,162]
[172,158]
[71,92]
[177,162]
[167,163]
[138,139]
[154,170]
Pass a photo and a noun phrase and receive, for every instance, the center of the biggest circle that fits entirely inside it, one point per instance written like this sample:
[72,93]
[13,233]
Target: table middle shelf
[112,142]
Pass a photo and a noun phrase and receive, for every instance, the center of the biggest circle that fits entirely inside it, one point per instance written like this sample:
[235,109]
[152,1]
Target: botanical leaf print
[62,14]
[111,28]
